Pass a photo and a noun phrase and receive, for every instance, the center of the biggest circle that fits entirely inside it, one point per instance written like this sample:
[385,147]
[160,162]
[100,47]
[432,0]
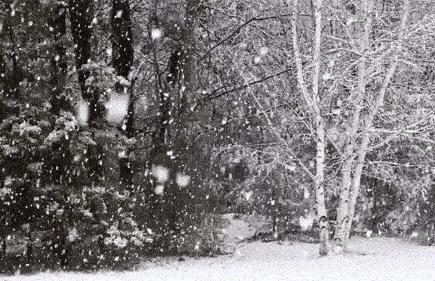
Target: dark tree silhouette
[81,16]
[122,59]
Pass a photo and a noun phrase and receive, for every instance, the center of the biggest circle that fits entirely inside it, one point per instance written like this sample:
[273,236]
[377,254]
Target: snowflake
[263,51]
[182,180]
[73,235]
[248,194]
[161,173]
[156,33]
[305,223]
[159,189]
[118,14]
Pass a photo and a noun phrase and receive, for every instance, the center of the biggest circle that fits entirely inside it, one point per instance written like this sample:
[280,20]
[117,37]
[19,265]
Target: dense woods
[128,127]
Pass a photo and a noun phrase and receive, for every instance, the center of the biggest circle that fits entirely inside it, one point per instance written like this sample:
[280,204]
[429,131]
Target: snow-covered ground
[371,259]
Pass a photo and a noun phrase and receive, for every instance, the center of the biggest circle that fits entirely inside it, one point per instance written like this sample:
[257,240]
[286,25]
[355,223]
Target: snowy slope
[371,259]
[237,229]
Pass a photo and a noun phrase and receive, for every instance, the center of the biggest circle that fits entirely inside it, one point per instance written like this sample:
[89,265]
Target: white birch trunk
[343,215]
[320,127]
[320,171]
[369,121]
[313,100]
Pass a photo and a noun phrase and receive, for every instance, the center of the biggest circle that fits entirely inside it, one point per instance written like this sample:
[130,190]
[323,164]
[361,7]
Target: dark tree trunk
[3,248]
[59,163]
[81,16]
[57,24]
[175,93]
[3,224]
[122,40]
[81,13]
[11,76]
[29,247]
[194,8]
[122,59]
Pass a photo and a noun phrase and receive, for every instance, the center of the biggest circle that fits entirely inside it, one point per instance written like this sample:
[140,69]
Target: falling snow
[227,140]
[156,33]
[161,173]
[182,180]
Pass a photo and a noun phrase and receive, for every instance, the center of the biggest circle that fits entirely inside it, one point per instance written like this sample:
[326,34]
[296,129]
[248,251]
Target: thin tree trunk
[320,171]
[3,223]
[319,122]
[313,102]
[3,220]
[3,248]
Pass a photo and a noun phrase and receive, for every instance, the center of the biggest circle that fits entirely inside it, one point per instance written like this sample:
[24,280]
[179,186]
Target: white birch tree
[312,98]
[368,71]
[350,186]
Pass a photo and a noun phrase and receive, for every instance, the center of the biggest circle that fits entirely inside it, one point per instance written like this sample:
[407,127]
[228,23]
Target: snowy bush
[206,238]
